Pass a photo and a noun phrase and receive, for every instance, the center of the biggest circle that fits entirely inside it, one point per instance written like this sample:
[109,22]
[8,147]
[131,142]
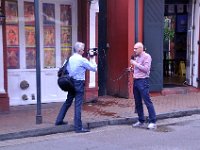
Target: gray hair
[78,46]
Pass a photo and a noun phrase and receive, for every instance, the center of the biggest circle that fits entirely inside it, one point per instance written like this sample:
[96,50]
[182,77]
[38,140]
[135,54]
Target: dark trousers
[141,91]
[78,95]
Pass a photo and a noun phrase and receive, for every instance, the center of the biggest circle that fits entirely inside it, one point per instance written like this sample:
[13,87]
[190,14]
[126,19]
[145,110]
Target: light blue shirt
[77,66]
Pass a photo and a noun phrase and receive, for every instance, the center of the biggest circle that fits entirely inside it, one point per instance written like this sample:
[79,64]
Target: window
[49,35]
[66,31]
[12,34]
[29,20]
[56,34]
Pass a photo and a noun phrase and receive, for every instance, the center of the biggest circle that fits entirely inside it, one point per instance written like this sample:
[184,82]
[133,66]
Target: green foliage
[168,34]
[168,29]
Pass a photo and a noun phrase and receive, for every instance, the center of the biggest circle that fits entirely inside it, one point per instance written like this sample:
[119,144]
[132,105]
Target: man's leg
[148,102]
[138,101]
[79,86]
[64,108]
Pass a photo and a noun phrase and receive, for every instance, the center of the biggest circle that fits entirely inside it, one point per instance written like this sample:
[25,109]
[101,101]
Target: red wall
[120,31]
[120,35]
[4,99]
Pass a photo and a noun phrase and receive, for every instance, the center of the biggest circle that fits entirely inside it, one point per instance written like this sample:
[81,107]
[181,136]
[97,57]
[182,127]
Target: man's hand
[130,69]
[91,52]
[133,62]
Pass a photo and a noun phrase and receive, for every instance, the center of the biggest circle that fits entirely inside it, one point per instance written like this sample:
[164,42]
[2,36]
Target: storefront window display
[50,37]
[12,34]
[30,35]
[66,31]
[11,12]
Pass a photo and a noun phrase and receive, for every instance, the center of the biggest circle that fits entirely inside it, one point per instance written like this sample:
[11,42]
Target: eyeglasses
[136,48]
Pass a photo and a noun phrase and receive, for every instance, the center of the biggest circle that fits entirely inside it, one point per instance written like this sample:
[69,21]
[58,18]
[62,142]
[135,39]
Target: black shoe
[82,130]
[61,123]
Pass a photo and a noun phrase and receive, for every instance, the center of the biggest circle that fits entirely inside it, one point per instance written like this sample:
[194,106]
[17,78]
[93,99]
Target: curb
[90,125]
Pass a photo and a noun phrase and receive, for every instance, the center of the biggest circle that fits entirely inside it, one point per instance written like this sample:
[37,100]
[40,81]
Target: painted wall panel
[118,41]
[153,33]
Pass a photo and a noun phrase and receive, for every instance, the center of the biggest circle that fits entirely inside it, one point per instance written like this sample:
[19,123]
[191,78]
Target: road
[172,134]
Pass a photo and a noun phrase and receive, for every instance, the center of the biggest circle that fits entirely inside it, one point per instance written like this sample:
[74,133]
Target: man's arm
[145,67]
[90,65]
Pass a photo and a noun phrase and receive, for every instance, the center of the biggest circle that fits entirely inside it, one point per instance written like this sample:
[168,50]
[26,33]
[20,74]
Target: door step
[175,90]
[179,90]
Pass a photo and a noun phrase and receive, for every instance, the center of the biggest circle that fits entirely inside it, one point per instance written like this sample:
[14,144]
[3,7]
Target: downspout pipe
[136,21]
[38,69]
[102,46]
[136,26]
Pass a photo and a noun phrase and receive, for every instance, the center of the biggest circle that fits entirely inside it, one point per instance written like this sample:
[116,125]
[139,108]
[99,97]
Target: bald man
[141,70]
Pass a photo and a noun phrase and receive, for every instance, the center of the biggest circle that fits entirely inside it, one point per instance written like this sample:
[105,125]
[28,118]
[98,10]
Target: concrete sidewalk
[20,121]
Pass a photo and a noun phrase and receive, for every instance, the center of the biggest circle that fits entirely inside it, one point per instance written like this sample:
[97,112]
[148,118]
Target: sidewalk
[20,121]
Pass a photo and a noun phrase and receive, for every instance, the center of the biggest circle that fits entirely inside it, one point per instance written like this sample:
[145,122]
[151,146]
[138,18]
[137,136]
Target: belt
[141,78]
[77,80]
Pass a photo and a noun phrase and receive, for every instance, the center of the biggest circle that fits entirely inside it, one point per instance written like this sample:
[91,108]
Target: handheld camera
[93,52]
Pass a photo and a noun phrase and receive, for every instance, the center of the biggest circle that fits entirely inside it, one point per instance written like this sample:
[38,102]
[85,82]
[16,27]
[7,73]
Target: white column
[195,44]
[2,90]
[94,8]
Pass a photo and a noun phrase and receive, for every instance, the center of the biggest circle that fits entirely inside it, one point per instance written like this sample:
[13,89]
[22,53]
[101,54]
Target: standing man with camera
[76,67]
[141,71]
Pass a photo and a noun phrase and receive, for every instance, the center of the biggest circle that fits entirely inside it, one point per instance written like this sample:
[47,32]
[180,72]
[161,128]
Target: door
[153,40]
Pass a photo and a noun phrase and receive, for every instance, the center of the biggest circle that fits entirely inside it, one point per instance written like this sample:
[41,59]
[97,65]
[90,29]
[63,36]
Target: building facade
[61,24]
[169,30]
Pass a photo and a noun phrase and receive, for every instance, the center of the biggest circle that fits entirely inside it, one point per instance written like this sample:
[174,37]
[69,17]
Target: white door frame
[195,46]
[192,46]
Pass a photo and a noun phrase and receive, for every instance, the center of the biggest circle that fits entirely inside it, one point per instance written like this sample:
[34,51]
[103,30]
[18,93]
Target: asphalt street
[171,134]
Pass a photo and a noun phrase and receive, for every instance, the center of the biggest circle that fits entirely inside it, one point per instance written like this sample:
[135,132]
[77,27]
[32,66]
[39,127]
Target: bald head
[138,48]
[139,44]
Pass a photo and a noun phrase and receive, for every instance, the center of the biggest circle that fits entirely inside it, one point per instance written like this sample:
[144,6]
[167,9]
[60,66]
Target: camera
[92,52]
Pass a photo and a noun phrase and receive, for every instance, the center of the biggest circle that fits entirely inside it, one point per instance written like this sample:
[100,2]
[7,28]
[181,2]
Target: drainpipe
[136,20]
[38,71]
[102,46]
[136,27]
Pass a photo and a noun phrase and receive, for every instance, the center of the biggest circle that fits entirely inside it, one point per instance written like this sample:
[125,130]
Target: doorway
[175,43]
